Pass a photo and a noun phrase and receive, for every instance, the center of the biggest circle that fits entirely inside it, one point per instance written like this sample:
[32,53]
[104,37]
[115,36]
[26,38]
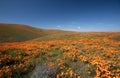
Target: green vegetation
[16,32]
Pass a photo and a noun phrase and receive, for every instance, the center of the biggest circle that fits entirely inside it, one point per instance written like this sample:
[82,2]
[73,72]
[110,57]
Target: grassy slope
[56,35]
[17,32]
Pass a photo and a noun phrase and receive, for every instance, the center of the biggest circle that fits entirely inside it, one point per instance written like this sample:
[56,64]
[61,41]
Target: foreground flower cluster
[81,56]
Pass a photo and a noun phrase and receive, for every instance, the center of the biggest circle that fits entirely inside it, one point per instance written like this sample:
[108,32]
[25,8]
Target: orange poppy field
[77,55]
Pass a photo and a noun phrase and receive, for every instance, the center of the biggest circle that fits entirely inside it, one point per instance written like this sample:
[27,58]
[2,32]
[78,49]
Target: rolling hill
[18,32]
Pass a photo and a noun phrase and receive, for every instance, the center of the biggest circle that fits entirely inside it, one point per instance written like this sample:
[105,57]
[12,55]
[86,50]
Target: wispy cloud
[78,27]
[58,26]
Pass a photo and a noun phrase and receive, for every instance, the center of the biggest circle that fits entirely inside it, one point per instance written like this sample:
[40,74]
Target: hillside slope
[18,32]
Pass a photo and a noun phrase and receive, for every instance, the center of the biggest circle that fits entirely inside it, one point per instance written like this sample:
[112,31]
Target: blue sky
[76,15]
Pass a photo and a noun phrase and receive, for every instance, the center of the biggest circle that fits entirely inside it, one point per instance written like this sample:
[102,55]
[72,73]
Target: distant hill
[18,32]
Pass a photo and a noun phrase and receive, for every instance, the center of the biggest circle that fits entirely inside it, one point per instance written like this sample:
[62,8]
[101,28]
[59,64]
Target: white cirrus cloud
[58,26]
[78,28]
